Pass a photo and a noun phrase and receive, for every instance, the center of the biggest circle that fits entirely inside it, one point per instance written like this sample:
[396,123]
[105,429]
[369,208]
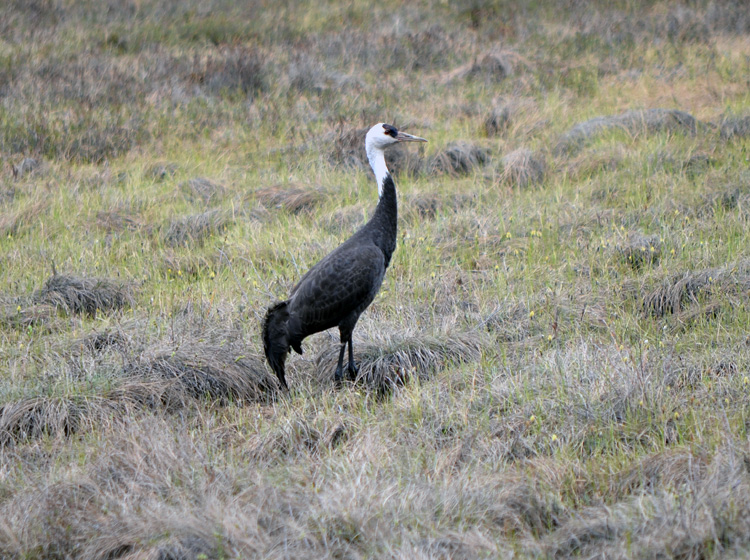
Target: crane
[340,286]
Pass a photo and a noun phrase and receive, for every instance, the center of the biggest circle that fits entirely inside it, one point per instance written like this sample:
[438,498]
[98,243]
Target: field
[558,363]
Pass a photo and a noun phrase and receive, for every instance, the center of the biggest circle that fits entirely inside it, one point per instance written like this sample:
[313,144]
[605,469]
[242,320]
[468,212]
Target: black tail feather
[276,339]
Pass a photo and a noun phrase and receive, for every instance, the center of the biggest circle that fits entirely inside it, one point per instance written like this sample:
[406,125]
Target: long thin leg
[352,369]
[338,375]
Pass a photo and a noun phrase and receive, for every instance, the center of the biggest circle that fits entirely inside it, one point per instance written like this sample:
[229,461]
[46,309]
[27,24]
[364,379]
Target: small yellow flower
[531,314]
[213,274]
[549,337]
[19,309]
[179,273]
[554,437]
[726,401]
[746,380]
[676,415]
[672,251]
[497,267]
[508,235]
[532,418]
[640,402]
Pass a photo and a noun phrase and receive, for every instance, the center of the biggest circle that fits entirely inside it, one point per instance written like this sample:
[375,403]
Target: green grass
[550,369]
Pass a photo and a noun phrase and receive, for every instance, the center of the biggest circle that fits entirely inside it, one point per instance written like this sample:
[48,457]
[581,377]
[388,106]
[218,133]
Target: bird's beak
[403,137]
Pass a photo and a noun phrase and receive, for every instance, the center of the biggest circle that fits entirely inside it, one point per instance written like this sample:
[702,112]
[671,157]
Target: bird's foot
[338,377]
[351,371]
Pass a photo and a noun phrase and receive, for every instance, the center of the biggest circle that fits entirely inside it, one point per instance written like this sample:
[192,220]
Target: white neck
[376,156]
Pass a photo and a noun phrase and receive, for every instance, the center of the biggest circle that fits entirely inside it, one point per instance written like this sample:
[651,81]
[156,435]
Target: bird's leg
[338,375]
[352,369]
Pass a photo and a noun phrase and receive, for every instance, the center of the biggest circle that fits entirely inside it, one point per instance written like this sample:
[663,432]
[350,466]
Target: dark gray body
[336,290]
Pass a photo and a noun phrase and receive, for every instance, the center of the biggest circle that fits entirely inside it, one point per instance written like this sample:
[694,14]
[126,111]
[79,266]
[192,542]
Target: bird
[336,290]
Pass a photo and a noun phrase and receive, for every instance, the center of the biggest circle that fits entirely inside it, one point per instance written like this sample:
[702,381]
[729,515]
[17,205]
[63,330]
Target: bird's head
[383,135]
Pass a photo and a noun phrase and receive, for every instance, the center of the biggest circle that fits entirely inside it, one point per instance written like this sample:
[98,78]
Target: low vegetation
[558,363]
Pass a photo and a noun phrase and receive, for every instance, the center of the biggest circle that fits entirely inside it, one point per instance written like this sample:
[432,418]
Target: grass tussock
[203,190]
[640,250]
[391,360]
[681,291]
[735,128]
[461,158]
[80,294]
[36,417]
[295,198]
[199,371]
[523,167]
[21,220]
[647,121]
[195,229]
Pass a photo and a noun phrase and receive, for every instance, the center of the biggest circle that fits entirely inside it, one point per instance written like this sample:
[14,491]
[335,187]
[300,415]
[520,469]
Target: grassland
[558,363]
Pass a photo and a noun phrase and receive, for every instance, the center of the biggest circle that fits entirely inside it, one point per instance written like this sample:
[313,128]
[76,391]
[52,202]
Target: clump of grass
[492,67]
[16,222]
[426,205]
[161,170]
[633,122]
[118,220]
[523,167]
[681,290]
[733,128]
[199,370]
[203,189]
[230,69]
[706,516]
[460,158]
[32,418]
[393,358]
[26,315]
[640,250]
[80,294]
[499,119]
[195,229]
[293,198]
